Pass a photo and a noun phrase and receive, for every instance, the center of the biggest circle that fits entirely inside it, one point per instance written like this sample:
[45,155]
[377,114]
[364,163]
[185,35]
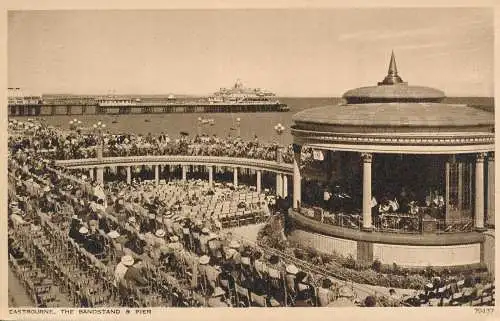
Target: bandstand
[395,141]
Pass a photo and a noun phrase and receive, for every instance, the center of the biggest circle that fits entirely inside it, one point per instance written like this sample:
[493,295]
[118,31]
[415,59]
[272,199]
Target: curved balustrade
[255,164]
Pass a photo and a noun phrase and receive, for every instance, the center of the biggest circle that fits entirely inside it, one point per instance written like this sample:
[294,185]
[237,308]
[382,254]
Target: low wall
[439,250]
[422,256]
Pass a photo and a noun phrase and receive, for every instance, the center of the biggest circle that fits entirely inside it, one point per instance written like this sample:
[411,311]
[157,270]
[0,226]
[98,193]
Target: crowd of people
[78,143]
[218,266]
[145,243]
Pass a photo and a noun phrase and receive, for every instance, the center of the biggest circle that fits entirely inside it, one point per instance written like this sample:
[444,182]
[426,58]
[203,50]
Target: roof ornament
[392,77]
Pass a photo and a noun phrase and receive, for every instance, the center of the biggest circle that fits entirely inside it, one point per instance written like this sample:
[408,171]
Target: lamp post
[98,128]
[200,122]
[75,124]
[279,130]
[238,126]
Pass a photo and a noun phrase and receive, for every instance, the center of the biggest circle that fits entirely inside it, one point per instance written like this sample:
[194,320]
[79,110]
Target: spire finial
[392,74]
[393,69]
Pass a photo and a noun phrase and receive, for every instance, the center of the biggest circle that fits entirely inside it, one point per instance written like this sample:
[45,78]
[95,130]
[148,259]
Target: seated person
[81,236]
[94,243]
[75,226]
[325,294]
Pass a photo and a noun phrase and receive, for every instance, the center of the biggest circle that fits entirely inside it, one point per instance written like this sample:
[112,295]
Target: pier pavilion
[392,137]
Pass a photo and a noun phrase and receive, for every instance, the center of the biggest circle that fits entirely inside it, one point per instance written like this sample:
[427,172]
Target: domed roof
[396,114]
[397,92]
[393,89]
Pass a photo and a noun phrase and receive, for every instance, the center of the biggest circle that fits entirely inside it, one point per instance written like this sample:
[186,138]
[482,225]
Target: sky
[292,52]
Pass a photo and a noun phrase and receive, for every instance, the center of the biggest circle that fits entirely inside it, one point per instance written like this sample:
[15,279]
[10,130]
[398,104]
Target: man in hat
[75,226]
[202,264]
[81,236]
[195,235]
[121,268]
[203,240]
[214,248]
[116,245]
[290,276]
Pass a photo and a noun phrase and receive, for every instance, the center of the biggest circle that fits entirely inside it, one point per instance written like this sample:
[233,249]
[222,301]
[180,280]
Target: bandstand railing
[391,223]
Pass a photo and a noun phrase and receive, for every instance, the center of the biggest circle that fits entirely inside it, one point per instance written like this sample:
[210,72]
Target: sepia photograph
[246,158]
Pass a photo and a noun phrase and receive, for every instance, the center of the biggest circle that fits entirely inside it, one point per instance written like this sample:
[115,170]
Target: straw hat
[46,189]
[230,253]
[204,259]
[174,238]
[160,233]
[131,219]
[83,230]
[127,260]
[205,230]
[113,234]
[212,236]
[292,269]
[218,292]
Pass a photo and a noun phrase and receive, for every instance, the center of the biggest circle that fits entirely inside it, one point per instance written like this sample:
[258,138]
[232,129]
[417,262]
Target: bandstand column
[367,191]
[157,174]
[490,202]
[129,175]
[184,172]
[285,186]
[91,174]
[259,181]
[279,184]
[211,176]
[479,193]
[297,184]
[235,177]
